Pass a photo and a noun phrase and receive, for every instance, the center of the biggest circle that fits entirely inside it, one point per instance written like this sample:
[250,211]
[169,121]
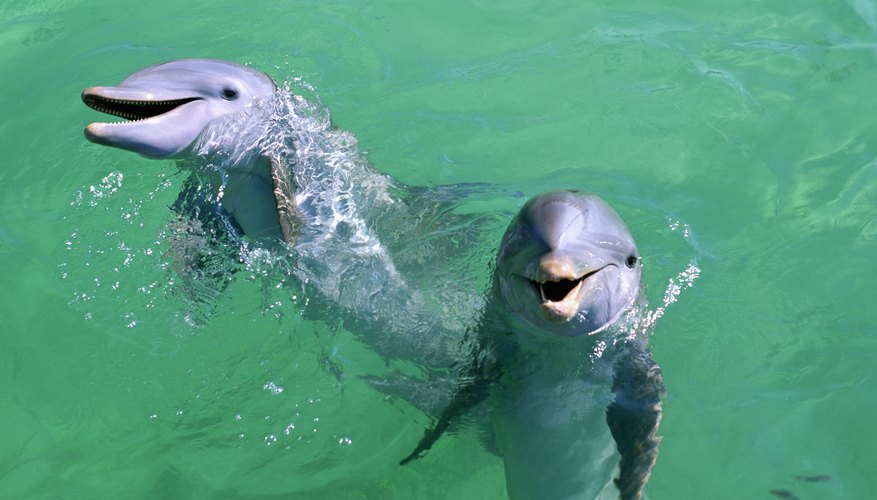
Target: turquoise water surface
[738,137]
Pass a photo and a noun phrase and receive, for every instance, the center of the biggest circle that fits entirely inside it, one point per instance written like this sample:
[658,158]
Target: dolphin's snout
[90,91]
[92,132]
[556,268]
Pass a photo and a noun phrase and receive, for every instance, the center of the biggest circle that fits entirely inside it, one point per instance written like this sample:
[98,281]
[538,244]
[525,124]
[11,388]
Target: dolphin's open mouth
[133,110]
[554,291]
[558,290]
[560,297]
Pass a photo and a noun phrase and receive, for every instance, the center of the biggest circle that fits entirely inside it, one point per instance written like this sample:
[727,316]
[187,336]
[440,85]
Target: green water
[754,124]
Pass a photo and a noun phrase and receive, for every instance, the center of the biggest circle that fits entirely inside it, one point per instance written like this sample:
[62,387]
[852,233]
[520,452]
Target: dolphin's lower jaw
[157,128]
[138,137]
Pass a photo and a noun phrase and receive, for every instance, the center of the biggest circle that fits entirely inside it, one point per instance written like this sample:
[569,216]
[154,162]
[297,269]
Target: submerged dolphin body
[560,356]
[270,165]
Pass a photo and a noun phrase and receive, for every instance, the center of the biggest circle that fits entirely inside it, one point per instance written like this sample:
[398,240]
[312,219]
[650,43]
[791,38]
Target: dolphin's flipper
[470,392]
[473,386]
[430,396]
[284,195]
[634,417]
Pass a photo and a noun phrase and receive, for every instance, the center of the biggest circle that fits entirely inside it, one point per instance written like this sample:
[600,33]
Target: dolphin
[269,166]
[572,390]
[167,108]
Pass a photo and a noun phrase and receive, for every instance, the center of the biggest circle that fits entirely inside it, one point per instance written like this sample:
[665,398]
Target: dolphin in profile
[168,105]
[167,108]
[572,391]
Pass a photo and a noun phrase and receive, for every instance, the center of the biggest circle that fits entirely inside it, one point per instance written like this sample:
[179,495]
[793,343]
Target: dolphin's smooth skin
[572,390]
[571,254]
[168,106]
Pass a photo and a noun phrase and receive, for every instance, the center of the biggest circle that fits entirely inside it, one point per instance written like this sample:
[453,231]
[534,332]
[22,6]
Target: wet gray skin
[573,395]
[572,255]
[168,106]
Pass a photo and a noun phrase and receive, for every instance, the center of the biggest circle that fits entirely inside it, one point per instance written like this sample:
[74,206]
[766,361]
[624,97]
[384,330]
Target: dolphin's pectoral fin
[633,419]
[332,365]
[473,388]
[468,394]
[430,396]
[487,434]
[284,195]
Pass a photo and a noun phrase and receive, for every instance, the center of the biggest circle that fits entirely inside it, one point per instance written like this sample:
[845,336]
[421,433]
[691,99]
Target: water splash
[99,261]
[640,320]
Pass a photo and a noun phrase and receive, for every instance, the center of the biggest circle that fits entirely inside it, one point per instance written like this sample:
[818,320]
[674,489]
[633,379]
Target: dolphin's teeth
[133,110]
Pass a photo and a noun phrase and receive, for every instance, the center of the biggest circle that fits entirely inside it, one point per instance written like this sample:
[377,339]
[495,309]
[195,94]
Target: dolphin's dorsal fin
[634,417]
[284,196]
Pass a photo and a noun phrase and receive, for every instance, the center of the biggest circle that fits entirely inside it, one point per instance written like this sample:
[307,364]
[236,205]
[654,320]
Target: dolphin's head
[568,264]
[168,105]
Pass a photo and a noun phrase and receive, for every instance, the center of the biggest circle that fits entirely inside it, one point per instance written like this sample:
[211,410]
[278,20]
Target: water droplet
[273,388]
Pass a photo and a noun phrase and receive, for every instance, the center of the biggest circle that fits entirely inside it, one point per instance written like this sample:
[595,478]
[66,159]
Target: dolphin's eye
[229,94]
[631,261]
